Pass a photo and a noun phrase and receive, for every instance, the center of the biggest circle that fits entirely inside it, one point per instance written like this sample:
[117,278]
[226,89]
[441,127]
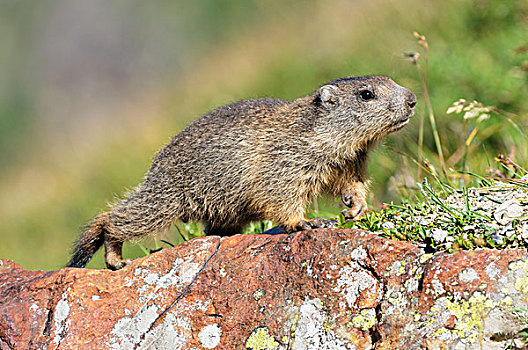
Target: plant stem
[432,120]
[420,143]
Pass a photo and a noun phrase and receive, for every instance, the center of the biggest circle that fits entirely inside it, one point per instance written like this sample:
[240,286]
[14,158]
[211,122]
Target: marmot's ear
[328,96]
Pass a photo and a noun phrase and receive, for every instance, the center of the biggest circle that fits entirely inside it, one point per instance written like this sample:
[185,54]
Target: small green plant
[449,219]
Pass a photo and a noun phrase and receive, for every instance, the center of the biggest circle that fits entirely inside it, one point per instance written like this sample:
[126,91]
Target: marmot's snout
[409,103]
[411,99]
[404,112]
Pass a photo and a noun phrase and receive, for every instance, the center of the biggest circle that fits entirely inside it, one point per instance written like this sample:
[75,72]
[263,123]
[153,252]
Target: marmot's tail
[91,239]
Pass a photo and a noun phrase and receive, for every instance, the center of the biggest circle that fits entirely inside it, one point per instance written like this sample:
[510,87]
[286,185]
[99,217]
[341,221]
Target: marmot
[257,159]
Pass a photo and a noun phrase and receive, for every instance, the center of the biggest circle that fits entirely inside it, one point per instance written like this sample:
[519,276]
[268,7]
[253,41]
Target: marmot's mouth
[399,124]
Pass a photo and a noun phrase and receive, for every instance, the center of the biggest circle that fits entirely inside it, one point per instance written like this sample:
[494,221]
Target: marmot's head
[363,109]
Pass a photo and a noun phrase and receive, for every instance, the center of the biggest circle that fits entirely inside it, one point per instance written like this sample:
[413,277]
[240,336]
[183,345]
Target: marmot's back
[209,162]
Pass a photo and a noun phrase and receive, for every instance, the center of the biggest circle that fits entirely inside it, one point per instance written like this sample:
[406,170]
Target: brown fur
[255,160]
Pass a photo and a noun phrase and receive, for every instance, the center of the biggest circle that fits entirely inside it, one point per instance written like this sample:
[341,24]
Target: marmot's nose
[411,99]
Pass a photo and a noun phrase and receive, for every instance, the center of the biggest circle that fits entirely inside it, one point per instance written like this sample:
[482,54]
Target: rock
[439,236]
[318,289]
[508,211]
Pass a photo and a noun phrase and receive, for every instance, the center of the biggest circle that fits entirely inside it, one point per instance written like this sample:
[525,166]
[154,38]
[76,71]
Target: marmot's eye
[366,95]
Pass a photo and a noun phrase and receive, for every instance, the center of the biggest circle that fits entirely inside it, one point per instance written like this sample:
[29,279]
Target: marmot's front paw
[358,207]
[355,198]
[315,223]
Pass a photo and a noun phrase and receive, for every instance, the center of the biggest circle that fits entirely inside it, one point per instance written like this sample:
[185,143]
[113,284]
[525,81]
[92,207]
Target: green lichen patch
[260,339]
[365,320]
[469,315]
[520,270]
[258,294]
[294,325]
[518,265]
[423,258]
[521,284]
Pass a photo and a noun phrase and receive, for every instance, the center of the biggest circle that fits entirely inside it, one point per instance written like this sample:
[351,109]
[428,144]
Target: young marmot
[257,159]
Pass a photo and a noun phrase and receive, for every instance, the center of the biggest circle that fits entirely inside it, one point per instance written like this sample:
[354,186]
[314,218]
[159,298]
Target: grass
[431,220]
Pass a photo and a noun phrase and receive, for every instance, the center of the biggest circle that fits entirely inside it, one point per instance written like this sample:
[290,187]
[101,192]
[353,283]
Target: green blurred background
[90,90]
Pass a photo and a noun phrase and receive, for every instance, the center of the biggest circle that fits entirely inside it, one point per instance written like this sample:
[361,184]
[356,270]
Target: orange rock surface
[319,289]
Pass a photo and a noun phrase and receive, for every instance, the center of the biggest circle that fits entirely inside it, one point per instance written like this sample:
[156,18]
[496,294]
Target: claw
[348,200]
[118,265]
[357,211]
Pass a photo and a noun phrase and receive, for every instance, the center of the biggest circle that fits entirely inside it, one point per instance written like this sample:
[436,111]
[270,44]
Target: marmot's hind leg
[114,254]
